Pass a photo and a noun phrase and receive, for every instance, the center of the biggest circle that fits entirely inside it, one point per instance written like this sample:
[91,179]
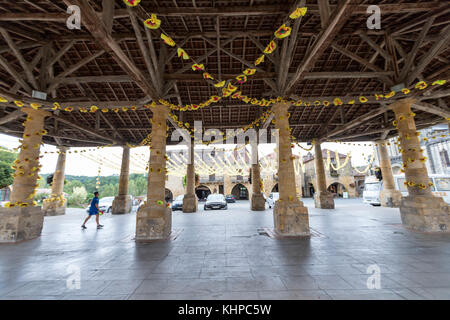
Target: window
[444,158]
[373,186]
[442,184]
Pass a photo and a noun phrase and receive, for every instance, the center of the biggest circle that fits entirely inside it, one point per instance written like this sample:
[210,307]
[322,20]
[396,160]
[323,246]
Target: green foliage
[78,197]
[41,196]
[6,161]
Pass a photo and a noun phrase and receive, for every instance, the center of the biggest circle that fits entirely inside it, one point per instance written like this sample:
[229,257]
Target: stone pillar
[123,201]
[227,186]
[190,202]
[154,219]
[23,220]
[257,201]
[56,204]
[322,198]
[389,196]
[420,210]
[290,215]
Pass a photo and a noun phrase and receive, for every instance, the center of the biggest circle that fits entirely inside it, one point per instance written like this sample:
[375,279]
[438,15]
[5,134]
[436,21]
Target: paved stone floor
[221,255]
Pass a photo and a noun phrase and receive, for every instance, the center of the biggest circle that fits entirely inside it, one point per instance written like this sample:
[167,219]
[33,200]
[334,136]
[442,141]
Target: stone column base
[291,218]
[391,198]
[51,209]
[324,200]
[153,222]
[20,224]
[257,202]
[190,203]
[425,213]
[122,204]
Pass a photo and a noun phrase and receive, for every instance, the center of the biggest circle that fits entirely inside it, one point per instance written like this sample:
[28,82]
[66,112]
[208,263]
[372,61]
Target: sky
[86,164]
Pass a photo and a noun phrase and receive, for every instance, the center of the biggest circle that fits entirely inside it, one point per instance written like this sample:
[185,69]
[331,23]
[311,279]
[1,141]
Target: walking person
[93,211]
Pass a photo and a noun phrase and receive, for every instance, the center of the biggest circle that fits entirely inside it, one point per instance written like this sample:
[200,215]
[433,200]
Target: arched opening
[202,192]
[310,190]
[337,189]
[240,192]
[275,188]
[168,195]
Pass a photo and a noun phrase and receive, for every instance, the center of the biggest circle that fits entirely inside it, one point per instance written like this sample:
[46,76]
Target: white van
[372,187]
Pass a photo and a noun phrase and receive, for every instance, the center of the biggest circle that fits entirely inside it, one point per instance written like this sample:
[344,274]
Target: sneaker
[83,227]
[99,226]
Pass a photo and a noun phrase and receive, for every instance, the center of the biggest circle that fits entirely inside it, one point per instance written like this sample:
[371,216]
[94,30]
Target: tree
[78,196]
[6,161]
[5,175]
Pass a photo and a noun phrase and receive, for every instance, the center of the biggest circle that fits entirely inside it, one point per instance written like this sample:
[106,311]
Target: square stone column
[290,215]
[257,201]
[322,198]
[56,204]
[420,210]
[122,203]
[389,196]
[23,220]
[190,202]
[154,219]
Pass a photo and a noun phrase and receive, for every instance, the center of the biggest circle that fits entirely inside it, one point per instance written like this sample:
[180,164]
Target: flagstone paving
[221,255]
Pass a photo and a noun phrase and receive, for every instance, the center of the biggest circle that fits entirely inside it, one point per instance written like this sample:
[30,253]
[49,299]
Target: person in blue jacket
[93,211]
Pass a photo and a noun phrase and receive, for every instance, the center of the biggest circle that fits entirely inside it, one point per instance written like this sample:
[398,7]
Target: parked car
[215,201]
[373,187]
[274,196]
[104,204]
[177,204]
[230,198]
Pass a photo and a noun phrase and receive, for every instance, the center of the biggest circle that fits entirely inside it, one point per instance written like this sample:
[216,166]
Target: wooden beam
[15,74]
[320,45]
[60,53]
[192,77]
[358,121]
[108,15]
[431,54]
[19,57]
[375,46]
[412,54]
[430,108]
[105,40]
[150,66]
[11,117]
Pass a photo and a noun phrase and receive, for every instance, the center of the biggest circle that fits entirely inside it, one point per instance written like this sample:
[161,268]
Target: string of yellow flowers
[282,32]
[214,99]
[372,158]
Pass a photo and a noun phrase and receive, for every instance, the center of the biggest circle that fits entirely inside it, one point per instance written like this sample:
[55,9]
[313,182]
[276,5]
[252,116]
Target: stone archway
[202,192]
[275,188]
[337,189]
[240,192]
[168,195]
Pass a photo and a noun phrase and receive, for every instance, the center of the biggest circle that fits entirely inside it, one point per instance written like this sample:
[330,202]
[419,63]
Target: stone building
[436,148]
[345,179]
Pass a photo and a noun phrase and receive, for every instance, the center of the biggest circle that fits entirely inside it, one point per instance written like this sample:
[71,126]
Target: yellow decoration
[93,109]
[35,106]
[18,103]
[167,40]
[439,82]
[207,76]
[153,23]
[421,85]
[270,47]
[182,54]
[249,72]
[132,3]
[363,99]
[3,99]
[406,90]
[260,60]
[283,32]
[298,13]
[198,67]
